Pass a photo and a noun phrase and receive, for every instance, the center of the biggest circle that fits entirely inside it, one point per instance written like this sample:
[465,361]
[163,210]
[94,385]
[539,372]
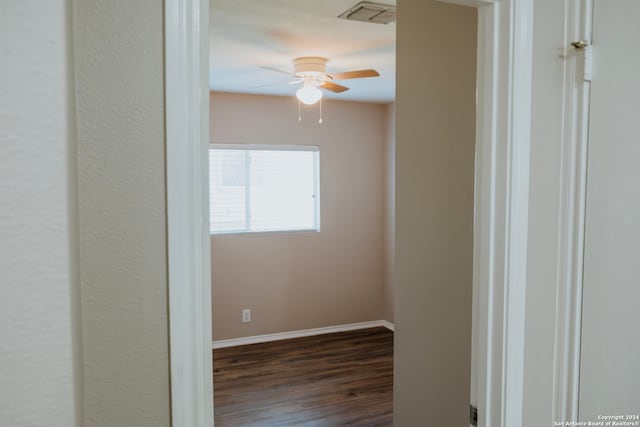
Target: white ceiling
[249,34]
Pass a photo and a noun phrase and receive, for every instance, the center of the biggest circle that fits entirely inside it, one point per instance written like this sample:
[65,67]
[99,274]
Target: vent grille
[366,11]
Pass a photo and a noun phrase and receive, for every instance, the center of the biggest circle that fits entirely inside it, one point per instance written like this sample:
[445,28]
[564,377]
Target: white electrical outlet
[246,315]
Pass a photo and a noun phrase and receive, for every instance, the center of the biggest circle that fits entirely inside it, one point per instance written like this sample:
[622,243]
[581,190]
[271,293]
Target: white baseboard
[390,326]
[299,334]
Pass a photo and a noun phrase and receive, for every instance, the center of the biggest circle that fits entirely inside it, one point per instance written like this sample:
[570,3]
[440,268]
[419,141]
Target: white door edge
[566,363]
[505,41]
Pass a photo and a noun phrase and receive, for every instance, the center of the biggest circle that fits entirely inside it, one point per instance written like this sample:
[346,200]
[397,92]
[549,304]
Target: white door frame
[187,141]
[501,224]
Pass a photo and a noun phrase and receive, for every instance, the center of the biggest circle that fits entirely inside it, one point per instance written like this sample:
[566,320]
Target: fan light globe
[309,94]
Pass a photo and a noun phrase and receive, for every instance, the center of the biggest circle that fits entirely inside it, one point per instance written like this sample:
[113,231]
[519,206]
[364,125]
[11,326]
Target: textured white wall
[435,149]
[40,374]
[610,356]
[119,78]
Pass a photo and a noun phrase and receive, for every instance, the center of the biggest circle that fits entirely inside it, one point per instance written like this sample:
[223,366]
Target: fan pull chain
[299,112]
[320,121]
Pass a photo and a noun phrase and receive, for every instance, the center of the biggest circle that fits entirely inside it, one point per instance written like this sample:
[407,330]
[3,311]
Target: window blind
[263,188]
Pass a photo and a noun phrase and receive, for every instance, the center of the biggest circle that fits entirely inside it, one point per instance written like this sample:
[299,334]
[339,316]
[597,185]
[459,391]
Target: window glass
[263,189]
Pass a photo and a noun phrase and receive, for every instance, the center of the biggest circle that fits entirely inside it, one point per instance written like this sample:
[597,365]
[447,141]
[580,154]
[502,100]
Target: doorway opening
[301,208]
[338,274]
[499,124]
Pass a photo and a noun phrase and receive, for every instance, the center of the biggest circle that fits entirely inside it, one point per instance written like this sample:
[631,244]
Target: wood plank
[330,380]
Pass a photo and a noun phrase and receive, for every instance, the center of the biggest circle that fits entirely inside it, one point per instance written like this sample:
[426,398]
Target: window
[263,188]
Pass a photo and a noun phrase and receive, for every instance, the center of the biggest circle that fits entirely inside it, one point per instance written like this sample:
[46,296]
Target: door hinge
[473,415]
[587,49]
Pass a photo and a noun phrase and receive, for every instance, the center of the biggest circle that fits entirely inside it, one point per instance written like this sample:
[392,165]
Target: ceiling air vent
[366,11]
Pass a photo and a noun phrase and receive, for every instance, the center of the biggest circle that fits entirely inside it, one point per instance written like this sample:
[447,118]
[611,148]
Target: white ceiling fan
[310,71]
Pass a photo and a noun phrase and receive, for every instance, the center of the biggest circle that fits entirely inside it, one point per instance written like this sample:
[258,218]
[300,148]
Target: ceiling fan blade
[333,87]
[296,82]
[355,74]
[277,70]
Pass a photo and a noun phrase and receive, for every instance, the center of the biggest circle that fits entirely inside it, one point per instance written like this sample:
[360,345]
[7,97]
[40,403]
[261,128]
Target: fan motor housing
[310,66]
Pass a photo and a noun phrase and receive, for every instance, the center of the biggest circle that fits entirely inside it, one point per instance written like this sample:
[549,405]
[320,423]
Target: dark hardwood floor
[341,379]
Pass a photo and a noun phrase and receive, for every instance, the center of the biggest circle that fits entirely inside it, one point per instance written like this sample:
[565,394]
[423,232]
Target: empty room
[302,208]
[301,212]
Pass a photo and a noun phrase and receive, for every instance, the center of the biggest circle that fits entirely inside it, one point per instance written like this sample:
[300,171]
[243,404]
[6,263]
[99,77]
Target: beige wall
[435,103]
[41,359]
[305,280]
[120,87]
[389,212]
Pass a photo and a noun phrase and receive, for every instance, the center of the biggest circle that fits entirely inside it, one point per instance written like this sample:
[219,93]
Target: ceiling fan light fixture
[309,94]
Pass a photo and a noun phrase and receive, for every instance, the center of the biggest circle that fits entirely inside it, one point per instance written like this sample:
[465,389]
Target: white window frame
[277,147]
